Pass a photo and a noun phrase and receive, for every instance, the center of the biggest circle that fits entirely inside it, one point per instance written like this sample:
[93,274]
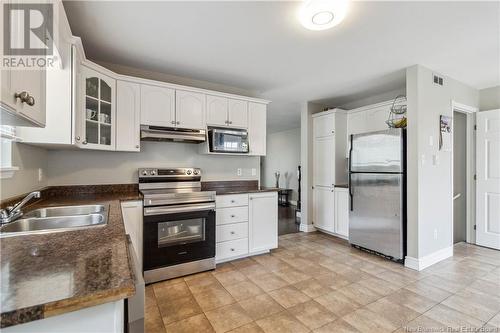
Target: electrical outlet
[40,174]
[239,172]
[254,172]
[435,234]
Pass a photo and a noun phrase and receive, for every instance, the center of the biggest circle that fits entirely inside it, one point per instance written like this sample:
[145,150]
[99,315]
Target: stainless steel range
[179,223]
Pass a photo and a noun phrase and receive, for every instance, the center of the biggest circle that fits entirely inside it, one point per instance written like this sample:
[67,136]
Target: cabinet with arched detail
[96,125]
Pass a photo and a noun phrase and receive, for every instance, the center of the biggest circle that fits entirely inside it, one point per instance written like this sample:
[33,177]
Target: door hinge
[475,127]
[474,227]
[475,177]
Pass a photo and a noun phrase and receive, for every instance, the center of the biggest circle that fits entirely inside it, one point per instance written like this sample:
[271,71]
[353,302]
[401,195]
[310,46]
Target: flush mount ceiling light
[322,14]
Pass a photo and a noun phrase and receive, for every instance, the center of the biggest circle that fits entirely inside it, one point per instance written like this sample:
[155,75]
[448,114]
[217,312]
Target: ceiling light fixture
[322,14]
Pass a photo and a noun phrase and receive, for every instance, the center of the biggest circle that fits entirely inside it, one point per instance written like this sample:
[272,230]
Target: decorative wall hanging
[445,133]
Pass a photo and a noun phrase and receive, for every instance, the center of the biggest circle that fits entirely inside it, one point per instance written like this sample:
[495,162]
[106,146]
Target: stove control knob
[188,172]
[196,172]
[153,172]
[144,172]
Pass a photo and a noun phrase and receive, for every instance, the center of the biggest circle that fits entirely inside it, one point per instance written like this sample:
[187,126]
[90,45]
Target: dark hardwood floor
[287,223]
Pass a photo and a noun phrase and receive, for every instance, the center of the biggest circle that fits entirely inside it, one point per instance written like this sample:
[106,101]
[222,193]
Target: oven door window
[181,232]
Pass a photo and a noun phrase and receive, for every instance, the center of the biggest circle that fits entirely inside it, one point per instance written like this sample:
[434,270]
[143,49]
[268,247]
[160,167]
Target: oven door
[228,141]
[178,234]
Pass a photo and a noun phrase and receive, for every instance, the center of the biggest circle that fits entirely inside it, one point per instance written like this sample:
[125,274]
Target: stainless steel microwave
[228,140]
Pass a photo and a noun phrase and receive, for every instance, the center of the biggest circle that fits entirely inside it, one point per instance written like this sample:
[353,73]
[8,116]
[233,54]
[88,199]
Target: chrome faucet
[11,213]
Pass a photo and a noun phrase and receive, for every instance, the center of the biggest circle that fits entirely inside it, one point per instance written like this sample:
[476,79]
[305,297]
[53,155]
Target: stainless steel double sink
[57,219]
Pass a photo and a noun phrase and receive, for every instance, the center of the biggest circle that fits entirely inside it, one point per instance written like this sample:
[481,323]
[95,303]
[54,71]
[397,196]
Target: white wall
[75,167]
[29,160]
[283,155]
[489,98]
[430,185]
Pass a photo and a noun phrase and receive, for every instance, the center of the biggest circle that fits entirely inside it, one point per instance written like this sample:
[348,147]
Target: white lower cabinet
[246,224]
[132,219]
[342,212]
[263,226]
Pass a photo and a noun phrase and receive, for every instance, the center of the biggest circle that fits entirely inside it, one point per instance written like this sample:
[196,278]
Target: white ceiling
[261,47]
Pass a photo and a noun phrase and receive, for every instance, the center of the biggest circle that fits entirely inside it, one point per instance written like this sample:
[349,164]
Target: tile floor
[315,282]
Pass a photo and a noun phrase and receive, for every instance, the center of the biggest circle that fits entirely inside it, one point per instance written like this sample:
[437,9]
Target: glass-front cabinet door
[98,118]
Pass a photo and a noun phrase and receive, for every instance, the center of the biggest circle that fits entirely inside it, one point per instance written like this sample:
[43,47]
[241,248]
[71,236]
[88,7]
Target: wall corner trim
[419,264]
[307,228]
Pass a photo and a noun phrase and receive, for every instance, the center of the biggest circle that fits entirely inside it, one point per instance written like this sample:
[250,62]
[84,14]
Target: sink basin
[57,219]
[65,211]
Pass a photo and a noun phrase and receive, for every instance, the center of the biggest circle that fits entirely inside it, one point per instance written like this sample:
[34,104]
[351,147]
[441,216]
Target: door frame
[470,170]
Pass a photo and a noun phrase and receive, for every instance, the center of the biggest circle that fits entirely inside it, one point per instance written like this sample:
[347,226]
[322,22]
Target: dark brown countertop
[49,274]
[236,187]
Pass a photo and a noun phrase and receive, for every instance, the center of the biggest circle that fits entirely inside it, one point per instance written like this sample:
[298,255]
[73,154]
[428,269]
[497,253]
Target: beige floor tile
[310,287]
[448,316]
[240,263]
[248,328]
[312,314]
[443,283]
[333,280]
[426,290]
[411,300]
[355,275]
[268,281]
[378,286]
[487,287]
[368,322]
[424,324]
[292,275]
[213,298]
[337,303]
[261,306]
[371,268]
[230,277]
[396,279]
[359,293]
[203,283]
[289,296]
[282,323]
[197,275]
[244,290]
[171,291]
[474,303]
[253,270]
[495,321]
[396,313]
[224,267]
[178,309]
[153,322]
[198,323]
[338,326]
[228,317]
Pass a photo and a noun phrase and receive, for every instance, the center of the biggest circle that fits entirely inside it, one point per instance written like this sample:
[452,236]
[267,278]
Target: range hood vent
[158,133]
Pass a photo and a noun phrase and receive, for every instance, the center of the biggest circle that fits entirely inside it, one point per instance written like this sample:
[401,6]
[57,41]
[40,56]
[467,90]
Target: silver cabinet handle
[25,97]
[232,250]
[173,122]
[84,142]
[136,146]
[230,122]
[232,201]
[232,232]
[77,138]
[232,216]
[178,123]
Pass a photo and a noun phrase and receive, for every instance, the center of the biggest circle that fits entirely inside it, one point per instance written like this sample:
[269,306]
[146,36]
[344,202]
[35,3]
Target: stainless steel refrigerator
[377,188]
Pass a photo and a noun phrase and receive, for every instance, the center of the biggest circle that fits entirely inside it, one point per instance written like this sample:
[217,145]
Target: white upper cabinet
[157,106]
[190,109]
[217,108]
[128,107]
[257,128]
[96,111]
[324,125]
[238,113]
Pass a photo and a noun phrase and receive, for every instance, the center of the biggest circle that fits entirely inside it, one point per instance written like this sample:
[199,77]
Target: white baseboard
[419,264]
[307,228]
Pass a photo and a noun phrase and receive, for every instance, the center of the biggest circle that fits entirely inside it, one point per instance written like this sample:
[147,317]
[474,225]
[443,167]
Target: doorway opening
[459,177]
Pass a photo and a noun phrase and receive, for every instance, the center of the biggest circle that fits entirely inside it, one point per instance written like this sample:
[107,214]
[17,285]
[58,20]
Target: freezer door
[380,151]
[376,214]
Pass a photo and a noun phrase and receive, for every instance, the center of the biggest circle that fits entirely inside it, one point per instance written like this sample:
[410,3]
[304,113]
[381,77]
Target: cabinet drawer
[231,215]
[235,200]
[231,248]
[232,231]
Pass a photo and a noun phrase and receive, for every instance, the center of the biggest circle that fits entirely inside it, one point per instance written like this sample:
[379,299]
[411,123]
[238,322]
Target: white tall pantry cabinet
[330,213]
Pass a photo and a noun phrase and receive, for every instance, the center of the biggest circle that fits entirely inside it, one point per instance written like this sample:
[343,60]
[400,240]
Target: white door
[263,221]
[157,106]
[323,161]
[238,113]
[342,211]
[324,125]
[128,106]
[257,128]
[190,109]
[488,179]
[216,110]
[324,208]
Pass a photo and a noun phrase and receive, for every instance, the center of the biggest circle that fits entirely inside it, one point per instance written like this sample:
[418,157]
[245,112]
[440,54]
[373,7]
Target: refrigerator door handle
[351,197]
